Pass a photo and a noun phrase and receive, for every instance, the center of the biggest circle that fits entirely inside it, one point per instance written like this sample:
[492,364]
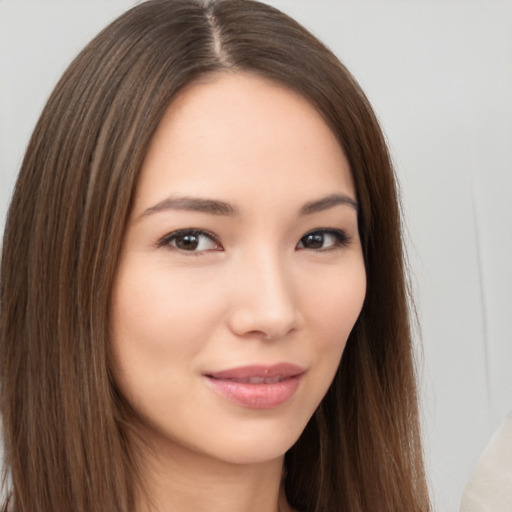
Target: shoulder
[490,484]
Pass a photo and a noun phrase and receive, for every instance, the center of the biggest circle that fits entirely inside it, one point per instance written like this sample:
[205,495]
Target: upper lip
[259,372]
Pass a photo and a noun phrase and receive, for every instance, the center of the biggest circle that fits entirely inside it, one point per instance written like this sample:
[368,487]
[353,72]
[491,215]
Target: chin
[253,441]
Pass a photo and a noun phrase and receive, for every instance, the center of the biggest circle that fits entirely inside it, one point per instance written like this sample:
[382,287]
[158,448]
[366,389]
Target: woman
[204,223]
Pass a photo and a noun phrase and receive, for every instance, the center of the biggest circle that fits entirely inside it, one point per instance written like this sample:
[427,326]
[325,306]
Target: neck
[183,481]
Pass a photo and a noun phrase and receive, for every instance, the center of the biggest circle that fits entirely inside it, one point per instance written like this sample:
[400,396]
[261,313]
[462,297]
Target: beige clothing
[489,488]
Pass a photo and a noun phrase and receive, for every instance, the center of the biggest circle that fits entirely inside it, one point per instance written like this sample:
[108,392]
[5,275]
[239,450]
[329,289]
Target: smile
[257,387]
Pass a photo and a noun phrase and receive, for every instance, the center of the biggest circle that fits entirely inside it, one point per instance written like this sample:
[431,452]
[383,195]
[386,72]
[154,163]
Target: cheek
[335,305]
[155,334]
[332,305]
[333,310]
[160,311]
[160,322]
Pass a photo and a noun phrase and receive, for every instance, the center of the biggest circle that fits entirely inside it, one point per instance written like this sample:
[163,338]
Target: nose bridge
[265,298]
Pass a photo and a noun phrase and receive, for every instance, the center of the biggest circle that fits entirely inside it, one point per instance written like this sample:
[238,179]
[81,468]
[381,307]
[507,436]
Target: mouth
[256,380]
[257,387]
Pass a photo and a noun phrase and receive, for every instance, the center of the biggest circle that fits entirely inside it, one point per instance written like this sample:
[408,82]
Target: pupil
[187,242]
[314,241]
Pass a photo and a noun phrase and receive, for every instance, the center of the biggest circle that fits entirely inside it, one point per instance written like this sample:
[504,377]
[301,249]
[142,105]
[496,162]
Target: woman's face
[241,273]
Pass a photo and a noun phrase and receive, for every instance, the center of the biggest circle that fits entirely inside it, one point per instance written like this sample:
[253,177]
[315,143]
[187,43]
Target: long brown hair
[66,429]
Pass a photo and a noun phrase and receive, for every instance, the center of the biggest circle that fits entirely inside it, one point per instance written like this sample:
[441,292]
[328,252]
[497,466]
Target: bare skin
[242,251]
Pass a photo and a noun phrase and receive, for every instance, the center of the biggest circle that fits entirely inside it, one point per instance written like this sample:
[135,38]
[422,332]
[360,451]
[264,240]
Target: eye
[191,240]
[323,240]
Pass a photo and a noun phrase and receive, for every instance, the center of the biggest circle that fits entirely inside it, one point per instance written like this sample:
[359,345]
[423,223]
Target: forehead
[237,132]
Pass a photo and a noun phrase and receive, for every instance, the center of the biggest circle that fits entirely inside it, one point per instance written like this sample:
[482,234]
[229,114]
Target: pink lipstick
[257,387]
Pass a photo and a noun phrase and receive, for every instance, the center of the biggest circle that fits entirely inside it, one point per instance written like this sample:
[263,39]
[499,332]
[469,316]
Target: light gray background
[439,74]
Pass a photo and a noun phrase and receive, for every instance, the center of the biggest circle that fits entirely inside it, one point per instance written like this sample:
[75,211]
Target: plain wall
[439,75]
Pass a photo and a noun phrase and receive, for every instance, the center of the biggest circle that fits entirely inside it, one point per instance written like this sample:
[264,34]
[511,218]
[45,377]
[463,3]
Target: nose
[264,299]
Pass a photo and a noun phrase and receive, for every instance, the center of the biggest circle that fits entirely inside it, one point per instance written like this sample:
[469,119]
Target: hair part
[68,434]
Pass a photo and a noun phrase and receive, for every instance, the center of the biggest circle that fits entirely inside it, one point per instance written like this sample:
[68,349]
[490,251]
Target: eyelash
[167,240]
[341,239]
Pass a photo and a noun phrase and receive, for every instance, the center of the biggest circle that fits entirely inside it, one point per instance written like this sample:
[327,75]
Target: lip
[257,386]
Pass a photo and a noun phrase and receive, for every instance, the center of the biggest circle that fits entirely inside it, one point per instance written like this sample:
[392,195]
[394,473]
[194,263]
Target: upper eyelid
[173,234]
[325,230]
[342,240]
[195,231]
[164,240]
[333,231]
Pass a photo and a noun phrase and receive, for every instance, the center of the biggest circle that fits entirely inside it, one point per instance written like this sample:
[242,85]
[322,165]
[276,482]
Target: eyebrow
[194,204]
[216,207]
[328,202]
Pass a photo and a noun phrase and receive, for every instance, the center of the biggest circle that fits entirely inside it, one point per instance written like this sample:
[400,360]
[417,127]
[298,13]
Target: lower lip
[257,396]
